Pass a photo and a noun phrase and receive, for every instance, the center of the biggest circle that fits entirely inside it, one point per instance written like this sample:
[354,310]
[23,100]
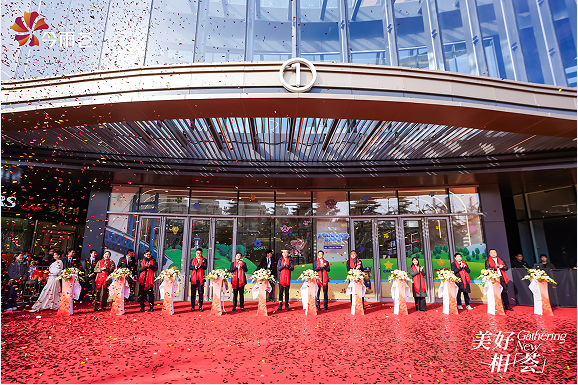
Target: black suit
[89,283]
[324,285]
[505,300]
[270,266]
[238,291]
[199,285]
[462,286]
[284,289]
[75,262]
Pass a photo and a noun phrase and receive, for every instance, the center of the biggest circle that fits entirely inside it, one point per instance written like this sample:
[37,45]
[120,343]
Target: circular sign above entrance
[294,64]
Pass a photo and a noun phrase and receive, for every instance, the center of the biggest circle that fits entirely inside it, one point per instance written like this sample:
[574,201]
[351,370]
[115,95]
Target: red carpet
[285,347]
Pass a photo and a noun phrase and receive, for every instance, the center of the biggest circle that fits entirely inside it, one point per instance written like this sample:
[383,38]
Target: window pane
[453,36]
[465,200]
[411,35]
[177,46]
[213,202]
[367,41]
[254,238]
[119,235]
[373,203]
[330,203]
[293,203]
[423,202]
[320,31]
[123,199]
[173,250]
[469,242]
[528,42]
[561,17]
[164,200]
[494,38]
[223,32]
[294,234]
[552,202]
[16,234]
[257,203]
[272,31]
[520,207]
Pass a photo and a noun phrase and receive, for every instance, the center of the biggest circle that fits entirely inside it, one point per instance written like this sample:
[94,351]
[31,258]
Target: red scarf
[500,262]
[285,278]
[353,263]
[464,274]
[146,279]
[322,274]
[417,281]
[198,274]
[239,278]
[103,275]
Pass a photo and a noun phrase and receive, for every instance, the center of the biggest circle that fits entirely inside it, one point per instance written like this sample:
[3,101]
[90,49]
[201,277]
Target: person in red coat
[321,266]
[198,267]
[146,280]
[238,268]
[495,263]
[461,270]
[419,287]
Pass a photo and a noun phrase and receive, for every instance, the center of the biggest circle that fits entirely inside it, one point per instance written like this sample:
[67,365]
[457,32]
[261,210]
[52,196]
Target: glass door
[387,255]
[199,237]
[438,247]
[149,238]
[413,247]
[363,243]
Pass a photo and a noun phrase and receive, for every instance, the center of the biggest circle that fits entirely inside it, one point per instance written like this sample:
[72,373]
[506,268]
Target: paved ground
[286,347]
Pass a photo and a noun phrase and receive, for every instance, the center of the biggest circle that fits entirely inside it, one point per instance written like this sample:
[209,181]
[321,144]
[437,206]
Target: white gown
[50,296]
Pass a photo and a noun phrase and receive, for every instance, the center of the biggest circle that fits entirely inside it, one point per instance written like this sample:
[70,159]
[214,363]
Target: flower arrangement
[219,273]
[489,275]
[70,272]
[308,276]
[355,275]
[538,275]
[446,275]
[399,274]
[263,275]
[122,272]
[171,272]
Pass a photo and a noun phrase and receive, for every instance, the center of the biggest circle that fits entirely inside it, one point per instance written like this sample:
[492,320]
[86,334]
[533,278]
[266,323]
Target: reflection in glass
[293,203]
[213,202]
[552,203]
[164,200]
[119,233]
[270,38]
[221,31]
[363,236]
[367,41]
[320,31]
[257,203]
[254,238]
[16,234]
[223,244]
[123,199]
[149,233]
[469,241]
[454,36]
[411,34]
[330,203]
[413,241]
[528,32]
[373,203]
[434,201]
[562,11]
[495,39]
[465,200]
[332,237]
[199,239]
[294,234]
[173,249]
[439,244]
[171,37]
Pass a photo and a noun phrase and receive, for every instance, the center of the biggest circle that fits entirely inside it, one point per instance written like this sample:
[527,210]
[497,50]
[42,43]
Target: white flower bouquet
[71,272]
[489,275]
[355,275]
[219,273]
[122,272]
[308,276]
[538,275]
[263,275]
[399,274]
[445,275]
[171,272]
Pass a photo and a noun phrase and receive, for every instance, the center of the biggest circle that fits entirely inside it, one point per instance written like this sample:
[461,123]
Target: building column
[96,219]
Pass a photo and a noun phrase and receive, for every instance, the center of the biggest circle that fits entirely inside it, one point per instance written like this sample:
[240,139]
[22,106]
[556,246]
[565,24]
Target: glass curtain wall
[411,34]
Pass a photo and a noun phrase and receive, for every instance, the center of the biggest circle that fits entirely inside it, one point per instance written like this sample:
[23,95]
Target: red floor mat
[286,347]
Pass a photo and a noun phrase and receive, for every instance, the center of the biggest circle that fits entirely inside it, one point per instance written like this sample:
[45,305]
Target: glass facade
[512,39]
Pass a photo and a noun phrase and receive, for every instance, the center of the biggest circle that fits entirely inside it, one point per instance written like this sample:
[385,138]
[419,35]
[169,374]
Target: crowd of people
[96,272]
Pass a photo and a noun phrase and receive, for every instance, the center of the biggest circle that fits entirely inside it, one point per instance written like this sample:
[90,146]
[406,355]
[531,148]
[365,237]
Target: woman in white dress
[50,296]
